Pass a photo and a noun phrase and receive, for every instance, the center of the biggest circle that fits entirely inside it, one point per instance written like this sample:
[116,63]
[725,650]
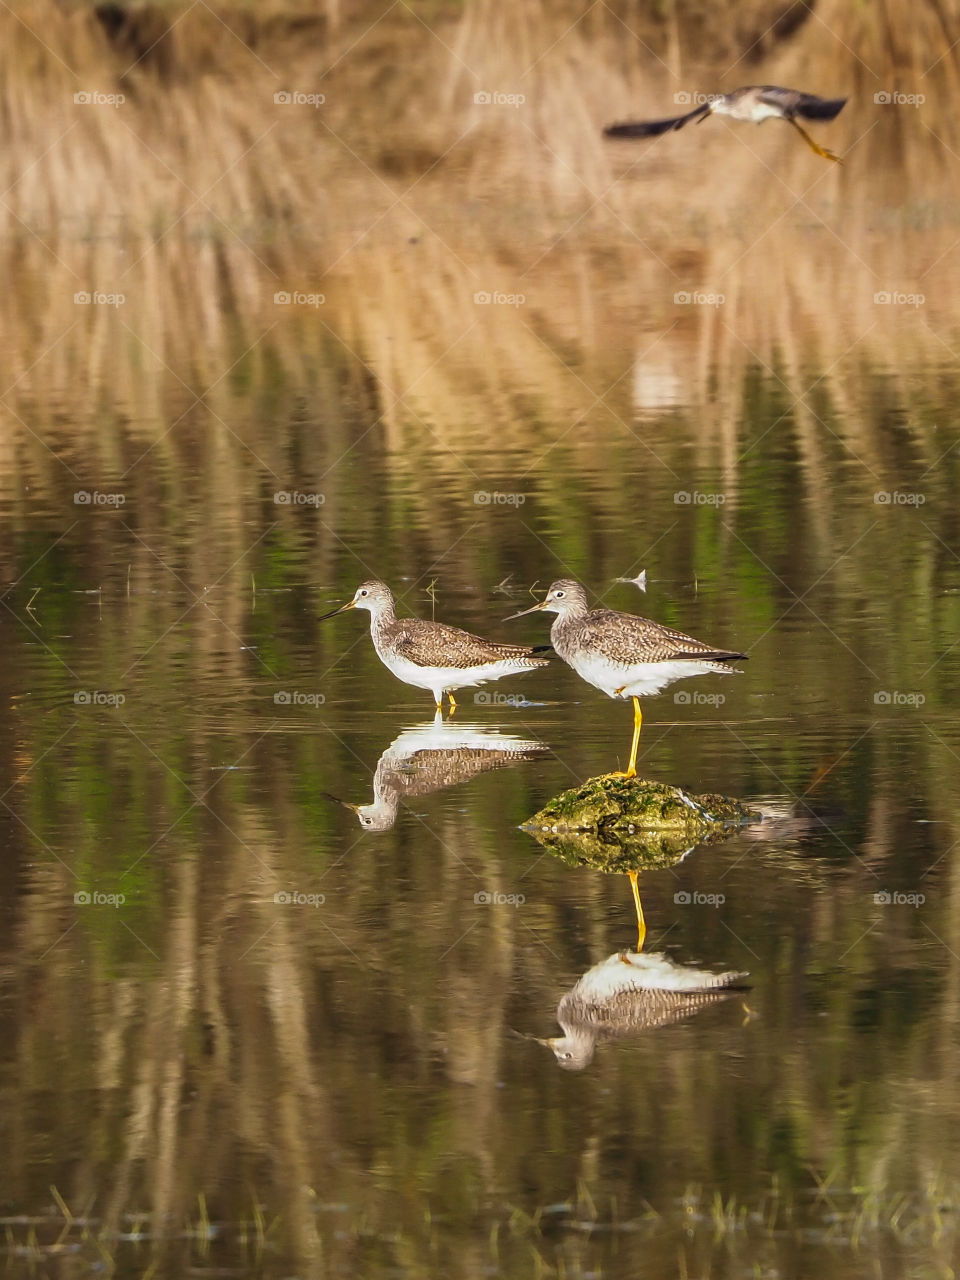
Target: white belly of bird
[639,679]
[634,971]
[444,735]
[755,111]
[440,679]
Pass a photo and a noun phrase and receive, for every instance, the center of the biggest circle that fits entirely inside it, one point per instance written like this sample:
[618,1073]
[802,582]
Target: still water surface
[242,1030]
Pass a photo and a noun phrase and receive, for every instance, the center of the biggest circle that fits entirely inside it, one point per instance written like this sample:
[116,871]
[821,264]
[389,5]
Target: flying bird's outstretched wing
[792,102]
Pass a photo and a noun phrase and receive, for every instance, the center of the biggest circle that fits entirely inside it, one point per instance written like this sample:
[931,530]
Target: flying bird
[753,102]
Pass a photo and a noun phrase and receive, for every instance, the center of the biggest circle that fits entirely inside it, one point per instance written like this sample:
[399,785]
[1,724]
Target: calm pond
[247,1030]
[282,972]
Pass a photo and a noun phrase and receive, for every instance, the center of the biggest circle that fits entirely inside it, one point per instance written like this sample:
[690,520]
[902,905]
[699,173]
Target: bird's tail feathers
[813,108]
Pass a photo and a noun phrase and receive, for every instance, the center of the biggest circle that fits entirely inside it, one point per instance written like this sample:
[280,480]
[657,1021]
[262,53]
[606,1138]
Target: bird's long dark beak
[354,808]
[525,1035]
[333,612]
[533,609]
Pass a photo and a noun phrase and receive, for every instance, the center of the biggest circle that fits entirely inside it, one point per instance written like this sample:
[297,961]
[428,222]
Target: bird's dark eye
[558,595]
[364,593]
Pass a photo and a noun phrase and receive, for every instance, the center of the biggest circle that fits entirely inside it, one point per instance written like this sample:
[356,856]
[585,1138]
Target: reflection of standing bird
[431,655]
[632,992]
[755,103]
[621,654]
[437,755]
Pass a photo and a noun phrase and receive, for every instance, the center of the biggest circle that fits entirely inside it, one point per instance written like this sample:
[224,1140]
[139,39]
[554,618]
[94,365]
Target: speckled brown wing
[639,1010]
[431,770]
[627,639]
[432,644]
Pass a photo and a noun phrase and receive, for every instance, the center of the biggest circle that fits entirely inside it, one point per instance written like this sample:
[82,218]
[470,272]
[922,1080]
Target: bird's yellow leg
[814,146]
[453,701]
[631,769]
[637,722]
[641,923]
[440,703]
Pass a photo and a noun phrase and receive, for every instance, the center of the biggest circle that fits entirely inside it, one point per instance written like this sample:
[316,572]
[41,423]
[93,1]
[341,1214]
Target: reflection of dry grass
[359,1055]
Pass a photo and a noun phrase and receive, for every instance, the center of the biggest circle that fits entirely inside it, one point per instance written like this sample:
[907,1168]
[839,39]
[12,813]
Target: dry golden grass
[199,197]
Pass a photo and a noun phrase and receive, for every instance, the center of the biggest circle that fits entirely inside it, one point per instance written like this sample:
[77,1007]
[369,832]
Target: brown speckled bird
[431,655]
[623,655]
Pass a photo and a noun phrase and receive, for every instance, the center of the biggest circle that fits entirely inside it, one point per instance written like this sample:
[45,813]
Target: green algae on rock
[623,824]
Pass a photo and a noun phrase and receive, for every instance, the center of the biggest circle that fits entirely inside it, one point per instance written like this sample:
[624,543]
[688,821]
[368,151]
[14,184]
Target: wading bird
[621,654]
[431,655]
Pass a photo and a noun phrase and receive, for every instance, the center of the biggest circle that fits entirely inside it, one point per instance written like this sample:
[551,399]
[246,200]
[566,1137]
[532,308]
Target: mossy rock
[643,851]
[627,824]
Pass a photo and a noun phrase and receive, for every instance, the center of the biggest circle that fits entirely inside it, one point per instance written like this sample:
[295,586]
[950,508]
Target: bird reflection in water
[434,756]
[631,992]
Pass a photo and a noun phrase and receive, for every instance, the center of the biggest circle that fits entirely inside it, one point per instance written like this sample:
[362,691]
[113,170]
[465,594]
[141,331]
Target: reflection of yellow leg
[814,146]
[637,722]
[453,701]
[440,703]
[641,923]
